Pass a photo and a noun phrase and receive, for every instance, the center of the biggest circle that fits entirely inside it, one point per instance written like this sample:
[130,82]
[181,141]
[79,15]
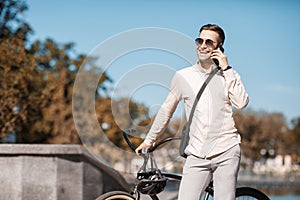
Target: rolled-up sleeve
[236,91]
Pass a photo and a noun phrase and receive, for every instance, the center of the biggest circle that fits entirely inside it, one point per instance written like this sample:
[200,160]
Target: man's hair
[215,28]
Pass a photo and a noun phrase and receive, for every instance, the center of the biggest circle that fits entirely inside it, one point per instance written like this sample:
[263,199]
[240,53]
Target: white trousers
[197,172]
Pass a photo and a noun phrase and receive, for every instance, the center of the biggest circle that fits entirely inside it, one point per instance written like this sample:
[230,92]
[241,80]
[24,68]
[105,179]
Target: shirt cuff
[148,142]
[229,73]
[227,68]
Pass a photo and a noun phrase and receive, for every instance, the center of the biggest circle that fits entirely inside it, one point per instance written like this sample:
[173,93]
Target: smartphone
[221,48]
[215,60]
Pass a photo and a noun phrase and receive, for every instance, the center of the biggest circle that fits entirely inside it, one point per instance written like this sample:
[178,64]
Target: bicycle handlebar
[132,147]
[125,135]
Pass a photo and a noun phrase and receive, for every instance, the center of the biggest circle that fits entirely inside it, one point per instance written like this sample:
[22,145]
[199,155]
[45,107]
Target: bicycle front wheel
[116,195]
[247,193]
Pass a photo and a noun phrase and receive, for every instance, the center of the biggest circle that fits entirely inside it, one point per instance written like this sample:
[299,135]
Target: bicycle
[153,181]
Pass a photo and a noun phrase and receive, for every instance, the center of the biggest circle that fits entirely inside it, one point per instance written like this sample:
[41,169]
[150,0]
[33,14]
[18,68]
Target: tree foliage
[262,132]
[58,71]
[36,91]
[37,85]
[17,71]
[12,23]
[291,141]
[18,87]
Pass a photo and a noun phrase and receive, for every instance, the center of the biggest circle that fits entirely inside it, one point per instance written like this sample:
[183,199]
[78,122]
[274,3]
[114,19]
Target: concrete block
[54,172]
[11,178]
[69,177]
[39,178]
[93,181]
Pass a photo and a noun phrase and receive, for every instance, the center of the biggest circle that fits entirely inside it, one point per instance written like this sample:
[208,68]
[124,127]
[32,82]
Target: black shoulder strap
[200,93]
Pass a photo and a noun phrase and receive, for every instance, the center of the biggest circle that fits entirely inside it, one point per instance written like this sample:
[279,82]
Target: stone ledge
[41,149]
[61,149]
[61,171]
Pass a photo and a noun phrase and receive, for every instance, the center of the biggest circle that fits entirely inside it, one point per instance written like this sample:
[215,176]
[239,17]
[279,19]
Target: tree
[135,116]
[248,126]
[37,84]
[19,88]
[273,130]
[11,21]
[58,71]
[266,135]
[292,141]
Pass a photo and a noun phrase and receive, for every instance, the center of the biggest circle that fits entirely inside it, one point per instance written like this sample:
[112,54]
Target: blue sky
[262,39]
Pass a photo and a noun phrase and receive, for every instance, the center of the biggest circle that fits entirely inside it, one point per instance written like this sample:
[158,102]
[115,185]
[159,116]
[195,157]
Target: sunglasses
[208,42]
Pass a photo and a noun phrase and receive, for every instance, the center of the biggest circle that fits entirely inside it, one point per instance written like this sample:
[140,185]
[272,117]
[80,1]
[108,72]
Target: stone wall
[34,172]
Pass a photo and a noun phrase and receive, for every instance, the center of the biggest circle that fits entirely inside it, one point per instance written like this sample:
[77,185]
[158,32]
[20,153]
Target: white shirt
[213,129]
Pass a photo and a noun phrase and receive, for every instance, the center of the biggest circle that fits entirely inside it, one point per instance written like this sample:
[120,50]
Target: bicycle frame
[151,182]
[148,155]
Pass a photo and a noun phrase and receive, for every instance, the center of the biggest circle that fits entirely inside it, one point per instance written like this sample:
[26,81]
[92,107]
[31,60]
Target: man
[213,149]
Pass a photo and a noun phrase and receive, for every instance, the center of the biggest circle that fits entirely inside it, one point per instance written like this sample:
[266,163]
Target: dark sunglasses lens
[209,43]
[199,41]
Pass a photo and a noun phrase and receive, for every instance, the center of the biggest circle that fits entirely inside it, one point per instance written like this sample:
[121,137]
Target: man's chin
[204,58]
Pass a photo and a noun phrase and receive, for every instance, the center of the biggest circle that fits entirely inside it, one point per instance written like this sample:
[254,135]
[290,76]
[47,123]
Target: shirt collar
[203,70]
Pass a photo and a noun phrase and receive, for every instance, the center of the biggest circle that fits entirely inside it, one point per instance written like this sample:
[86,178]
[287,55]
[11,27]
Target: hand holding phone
[219,57]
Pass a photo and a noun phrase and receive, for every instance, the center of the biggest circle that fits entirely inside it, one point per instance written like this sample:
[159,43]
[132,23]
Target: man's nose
[203,45]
